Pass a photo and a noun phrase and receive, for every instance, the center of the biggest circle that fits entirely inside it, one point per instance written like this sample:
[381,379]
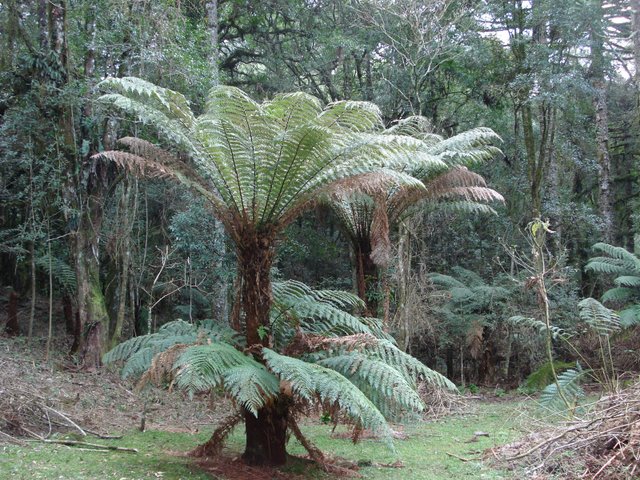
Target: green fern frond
[627,258]
[140,361]
[329,387]
[603,320]
[62,273]
[535,324]
[382,384]
[630,316]
[630,281]
[252,386]
[203,367]
[569,382]
[412,369]
[619,295]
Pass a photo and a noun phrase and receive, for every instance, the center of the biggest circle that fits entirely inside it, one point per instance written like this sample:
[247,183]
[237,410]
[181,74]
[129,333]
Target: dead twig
[94,446]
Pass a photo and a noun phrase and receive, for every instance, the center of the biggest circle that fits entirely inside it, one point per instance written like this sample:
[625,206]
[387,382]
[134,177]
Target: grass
[424,454]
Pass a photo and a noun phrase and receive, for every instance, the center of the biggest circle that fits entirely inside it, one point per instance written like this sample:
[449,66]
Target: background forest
[105,256]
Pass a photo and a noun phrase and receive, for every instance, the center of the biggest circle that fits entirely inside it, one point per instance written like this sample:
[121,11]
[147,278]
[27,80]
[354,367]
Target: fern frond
[386,351]
[619,294]
[382,384]
[627,258]
[252,386]
[569,382]
[203,367]
[535,324]
[630,317]
[329,387]
[141,360]
[630,281]
[63,274]
[603,320]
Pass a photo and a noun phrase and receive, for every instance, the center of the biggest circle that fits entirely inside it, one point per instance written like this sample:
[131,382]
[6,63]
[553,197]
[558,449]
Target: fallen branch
[94,446]
[60,414]
[12,439]
[462,459]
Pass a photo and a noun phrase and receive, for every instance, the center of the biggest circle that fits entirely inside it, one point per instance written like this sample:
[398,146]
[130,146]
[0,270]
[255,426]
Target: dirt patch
[36,396]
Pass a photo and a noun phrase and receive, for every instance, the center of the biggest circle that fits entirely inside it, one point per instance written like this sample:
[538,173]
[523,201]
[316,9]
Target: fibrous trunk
[366,277]
[266,433]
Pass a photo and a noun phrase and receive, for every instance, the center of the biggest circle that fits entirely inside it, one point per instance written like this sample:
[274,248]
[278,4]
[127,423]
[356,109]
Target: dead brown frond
[136,165]
[605,443]
[474,340]
[213,446]
[161,369]
[460,182]
[302,343]
[380,243]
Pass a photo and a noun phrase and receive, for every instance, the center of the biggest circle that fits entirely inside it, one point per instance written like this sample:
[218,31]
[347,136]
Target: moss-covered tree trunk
[266,433]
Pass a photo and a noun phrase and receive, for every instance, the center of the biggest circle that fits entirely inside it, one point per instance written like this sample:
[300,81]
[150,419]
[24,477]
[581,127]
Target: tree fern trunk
[366,277]
[266,433]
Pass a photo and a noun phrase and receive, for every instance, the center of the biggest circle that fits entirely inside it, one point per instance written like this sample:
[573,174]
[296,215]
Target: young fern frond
[601,319]
[569,383]
[535,324]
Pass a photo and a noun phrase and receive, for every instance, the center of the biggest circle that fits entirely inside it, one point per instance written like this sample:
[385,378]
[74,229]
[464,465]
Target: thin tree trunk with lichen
[404,273]
[598,83]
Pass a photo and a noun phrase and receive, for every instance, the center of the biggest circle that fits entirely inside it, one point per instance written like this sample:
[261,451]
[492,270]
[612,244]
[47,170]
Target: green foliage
[349,366]
[626,267]
[569,385]
[601,319]
[543,375]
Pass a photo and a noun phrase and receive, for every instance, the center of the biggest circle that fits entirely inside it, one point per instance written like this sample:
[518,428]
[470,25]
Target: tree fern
[259,165]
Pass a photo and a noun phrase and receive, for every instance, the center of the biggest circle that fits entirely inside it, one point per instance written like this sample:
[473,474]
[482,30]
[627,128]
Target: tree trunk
[266,433]
[404,274]
[67,311]
[366,277]
[12,327]
[597,76]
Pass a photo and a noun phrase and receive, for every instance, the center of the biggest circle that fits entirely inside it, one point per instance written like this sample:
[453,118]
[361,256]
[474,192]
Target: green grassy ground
[425,454]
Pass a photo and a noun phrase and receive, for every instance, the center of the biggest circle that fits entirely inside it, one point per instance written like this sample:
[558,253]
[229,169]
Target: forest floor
[444,448]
